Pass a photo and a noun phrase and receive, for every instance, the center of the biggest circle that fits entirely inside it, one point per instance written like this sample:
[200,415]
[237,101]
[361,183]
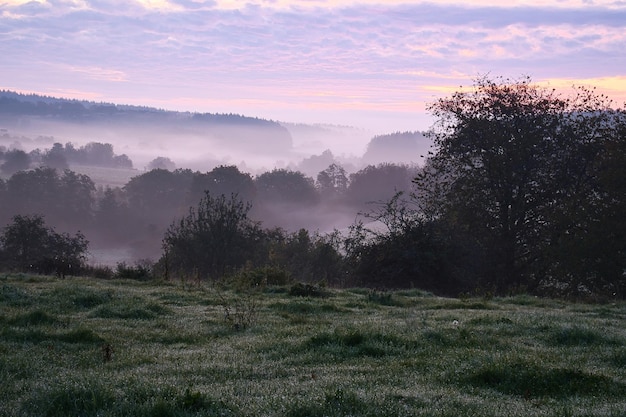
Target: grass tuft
[33,318]
[578,336]
[129,310]
[530,381]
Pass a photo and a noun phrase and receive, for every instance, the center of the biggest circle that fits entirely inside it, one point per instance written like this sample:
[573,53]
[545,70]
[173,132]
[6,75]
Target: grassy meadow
[86,347]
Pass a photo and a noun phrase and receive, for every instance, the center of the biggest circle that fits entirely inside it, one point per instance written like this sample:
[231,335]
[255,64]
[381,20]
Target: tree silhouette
[213,239]
[15,161]
[515,167]
[27,245]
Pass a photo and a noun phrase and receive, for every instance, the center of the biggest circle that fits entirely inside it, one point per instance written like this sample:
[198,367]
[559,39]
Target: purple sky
[372,64]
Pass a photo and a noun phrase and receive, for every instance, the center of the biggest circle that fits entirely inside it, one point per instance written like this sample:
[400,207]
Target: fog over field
[254,149]
[121,144]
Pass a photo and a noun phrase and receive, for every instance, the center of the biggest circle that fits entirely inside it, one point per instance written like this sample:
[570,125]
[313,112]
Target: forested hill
[17,107]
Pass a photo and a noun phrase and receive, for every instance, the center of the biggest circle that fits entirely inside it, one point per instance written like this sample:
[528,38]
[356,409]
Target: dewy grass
[119,348]
[528,380]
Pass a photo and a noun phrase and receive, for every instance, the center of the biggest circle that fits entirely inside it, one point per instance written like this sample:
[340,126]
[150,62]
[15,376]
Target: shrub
[261,277]
[142,271]
[307,290]
[99,271]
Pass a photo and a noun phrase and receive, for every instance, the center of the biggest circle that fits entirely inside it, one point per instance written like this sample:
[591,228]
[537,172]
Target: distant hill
[229,130]
[404,147]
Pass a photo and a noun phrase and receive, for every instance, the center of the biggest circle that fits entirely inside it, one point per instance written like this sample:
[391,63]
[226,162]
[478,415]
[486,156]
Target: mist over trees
[400,147]
[523,191]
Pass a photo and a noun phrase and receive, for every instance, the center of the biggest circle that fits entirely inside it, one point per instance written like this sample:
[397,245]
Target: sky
[372,64]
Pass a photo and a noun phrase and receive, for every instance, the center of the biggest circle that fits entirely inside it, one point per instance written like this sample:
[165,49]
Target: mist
[201,143]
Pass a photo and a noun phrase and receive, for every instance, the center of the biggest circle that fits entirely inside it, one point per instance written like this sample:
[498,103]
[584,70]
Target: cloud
[372,55]
[98,73]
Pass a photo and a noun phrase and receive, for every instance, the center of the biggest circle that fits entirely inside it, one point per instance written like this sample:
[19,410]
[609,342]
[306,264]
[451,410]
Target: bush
[307,290]
[99,271]
[142,271]
[261,277]
[27,245]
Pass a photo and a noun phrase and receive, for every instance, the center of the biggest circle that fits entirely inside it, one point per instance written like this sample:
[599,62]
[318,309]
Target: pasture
[86,347]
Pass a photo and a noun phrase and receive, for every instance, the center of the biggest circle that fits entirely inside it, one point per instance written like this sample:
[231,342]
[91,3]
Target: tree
[27,245]
[286,187]
[514,167]
[161,162]
[222,180]
[112,220]
[55,158]
[14,161]
[332,182]
[315,163]
[399,147]
[77,198]
[308,258]
[401,248]
[66,200]
[213,239]
[159,196]
[377,183]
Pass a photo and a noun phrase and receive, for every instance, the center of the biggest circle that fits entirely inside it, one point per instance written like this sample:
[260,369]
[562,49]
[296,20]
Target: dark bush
[141,271]
[307,290]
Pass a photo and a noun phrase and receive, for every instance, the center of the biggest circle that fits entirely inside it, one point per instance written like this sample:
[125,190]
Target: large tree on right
[533,178]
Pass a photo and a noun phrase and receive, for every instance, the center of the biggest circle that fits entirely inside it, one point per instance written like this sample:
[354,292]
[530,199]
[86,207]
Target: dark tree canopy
[286,187]
[515,166]
[399,147]
[161,162]
[376,183]
[332,182]
[65,199]
[215,238]
[55,158]
[222,180]
[14,161]
[28,245]
[159,195]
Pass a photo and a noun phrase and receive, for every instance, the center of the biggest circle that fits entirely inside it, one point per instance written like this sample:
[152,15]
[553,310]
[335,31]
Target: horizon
[373,65]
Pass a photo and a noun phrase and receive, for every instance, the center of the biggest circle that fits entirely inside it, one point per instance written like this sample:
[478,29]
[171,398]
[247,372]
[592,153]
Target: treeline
[523,192]
[61,156]
[138,214]
[229,129]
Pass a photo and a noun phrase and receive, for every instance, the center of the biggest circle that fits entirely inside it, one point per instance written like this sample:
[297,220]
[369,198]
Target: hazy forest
[522,191]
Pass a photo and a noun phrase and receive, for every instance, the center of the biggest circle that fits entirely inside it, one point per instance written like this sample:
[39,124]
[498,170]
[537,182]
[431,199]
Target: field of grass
[84,347]
[106,176]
